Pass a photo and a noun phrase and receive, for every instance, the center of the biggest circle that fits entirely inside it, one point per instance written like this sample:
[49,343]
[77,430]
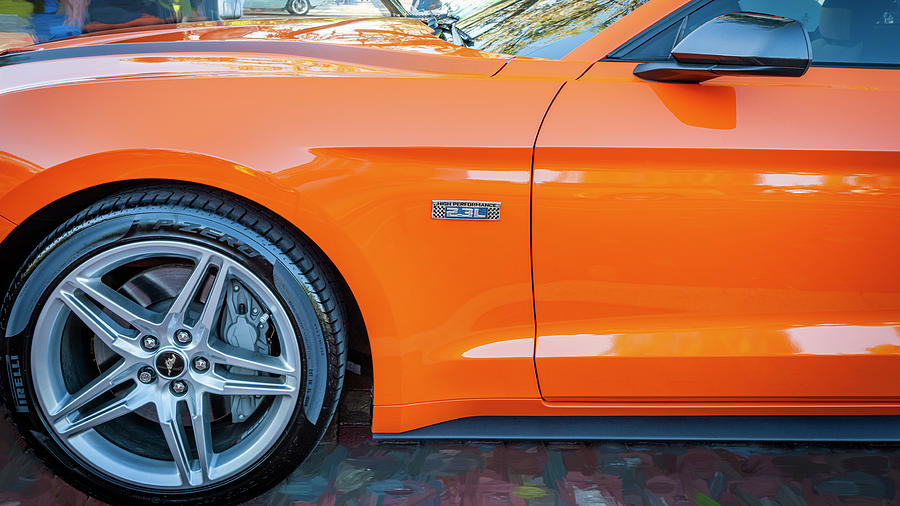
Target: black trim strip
[875,428]
[826,65]
[841,65]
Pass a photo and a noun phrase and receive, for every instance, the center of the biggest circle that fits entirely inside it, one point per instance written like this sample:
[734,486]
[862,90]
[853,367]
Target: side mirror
[740,43]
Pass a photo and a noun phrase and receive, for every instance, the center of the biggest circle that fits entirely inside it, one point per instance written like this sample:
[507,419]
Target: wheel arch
[39,204]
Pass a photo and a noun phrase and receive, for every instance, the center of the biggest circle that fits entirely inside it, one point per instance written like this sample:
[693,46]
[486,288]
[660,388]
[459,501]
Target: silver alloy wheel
[184,416]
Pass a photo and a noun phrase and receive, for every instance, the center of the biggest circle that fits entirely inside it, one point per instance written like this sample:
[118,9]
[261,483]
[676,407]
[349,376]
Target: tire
[298,7]
[208,275]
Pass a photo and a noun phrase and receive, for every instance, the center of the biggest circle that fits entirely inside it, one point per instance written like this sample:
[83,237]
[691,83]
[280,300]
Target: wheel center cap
[169,364]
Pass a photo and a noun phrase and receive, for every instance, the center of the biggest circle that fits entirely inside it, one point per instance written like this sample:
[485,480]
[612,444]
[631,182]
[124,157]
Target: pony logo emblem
[169,364]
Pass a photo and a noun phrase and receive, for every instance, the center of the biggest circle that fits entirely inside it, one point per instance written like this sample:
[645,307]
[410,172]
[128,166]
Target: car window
[842,32]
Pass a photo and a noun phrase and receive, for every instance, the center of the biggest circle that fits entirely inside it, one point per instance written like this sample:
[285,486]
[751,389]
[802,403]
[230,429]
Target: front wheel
[298,7]
[174,346]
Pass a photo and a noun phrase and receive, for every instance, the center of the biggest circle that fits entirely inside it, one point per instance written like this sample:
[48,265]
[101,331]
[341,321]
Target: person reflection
[97,15]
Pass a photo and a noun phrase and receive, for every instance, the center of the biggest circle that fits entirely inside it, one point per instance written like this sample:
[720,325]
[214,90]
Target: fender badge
[465,210]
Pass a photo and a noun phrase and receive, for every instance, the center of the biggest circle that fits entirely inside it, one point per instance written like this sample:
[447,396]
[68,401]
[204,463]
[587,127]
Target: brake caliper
[244,324]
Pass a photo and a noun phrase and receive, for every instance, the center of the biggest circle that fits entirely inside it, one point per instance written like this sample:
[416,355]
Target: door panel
[736,240]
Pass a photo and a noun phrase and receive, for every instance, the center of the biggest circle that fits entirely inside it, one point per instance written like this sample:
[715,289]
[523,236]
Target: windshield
[541,28]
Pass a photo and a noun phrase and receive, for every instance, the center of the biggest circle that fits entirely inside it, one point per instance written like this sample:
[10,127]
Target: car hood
[401,34]
[297,47]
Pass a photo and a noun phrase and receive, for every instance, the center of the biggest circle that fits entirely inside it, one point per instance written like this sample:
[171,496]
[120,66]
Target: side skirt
[862,428]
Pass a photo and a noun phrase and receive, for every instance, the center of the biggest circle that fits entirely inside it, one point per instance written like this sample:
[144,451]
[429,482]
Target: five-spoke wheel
[167,363]
[155,357]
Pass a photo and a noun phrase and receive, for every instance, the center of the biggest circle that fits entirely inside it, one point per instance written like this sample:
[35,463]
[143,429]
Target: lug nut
[178,387]
[182,336]
[146,375]
[200,364]
[150,343]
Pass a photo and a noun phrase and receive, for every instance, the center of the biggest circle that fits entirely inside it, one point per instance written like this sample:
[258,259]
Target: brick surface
[352,469]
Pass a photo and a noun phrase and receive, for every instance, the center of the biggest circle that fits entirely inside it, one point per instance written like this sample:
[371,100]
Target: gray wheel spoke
[194,284]
[100,324]
[116,303]
[167,287]
[200,421]
[102,414]
[177,440]
[214,300]
[226,354]
[250,385]
[101,384]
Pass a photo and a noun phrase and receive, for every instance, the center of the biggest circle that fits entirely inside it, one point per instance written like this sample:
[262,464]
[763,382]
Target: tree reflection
[510,26]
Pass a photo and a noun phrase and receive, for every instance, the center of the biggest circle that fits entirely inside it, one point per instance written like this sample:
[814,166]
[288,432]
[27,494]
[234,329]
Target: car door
[730,242]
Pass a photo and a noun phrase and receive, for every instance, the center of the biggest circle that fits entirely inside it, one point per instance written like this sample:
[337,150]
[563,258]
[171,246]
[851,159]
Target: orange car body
[728,248]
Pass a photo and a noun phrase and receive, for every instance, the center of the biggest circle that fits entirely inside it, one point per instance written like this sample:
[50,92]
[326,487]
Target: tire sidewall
[302,11]
[44,270]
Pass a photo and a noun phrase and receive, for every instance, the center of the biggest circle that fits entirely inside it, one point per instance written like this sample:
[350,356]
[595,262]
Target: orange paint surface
[395,34]
[360,189]
[724,248]
[719,243]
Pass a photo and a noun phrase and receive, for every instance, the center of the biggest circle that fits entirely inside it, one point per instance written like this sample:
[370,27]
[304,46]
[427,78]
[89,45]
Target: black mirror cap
[745,38]
[740,43]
